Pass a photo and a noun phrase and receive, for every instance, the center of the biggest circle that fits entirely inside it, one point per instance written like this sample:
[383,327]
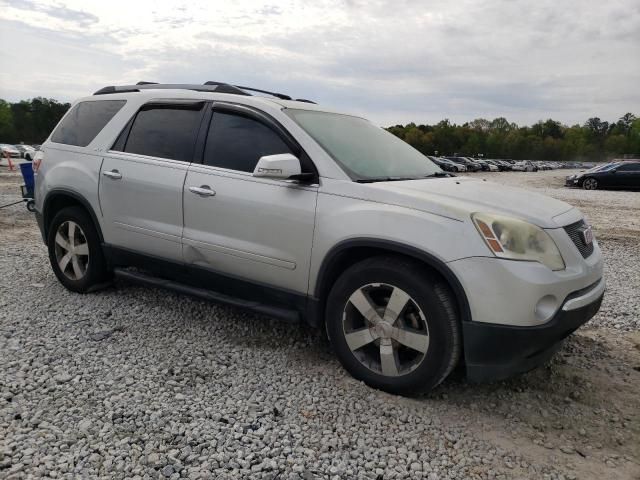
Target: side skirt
[207,284]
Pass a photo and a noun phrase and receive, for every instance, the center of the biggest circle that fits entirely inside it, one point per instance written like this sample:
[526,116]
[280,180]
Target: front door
[628,175]
[251,228]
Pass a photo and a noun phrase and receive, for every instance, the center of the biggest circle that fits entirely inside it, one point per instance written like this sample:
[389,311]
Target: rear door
[141,178]
[255,229]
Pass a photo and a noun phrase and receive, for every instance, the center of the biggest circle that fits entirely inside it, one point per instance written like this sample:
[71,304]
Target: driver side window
[629,167]
[237,142]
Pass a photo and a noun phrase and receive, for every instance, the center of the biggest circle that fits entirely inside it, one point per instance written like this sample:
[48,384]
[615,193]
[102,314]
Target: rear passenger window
[84,121]
[237,142]
[165,131]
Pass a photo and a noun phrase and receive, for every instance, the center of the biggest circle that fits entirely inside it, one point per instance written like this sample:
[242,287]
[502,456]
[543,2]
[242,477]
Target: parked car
[448,165]
[507,166]
[623,175]
[294,210]
[11,150]
[26,151]
[502,165]
[470,165]
[487,166]
[542,165]
[525,166]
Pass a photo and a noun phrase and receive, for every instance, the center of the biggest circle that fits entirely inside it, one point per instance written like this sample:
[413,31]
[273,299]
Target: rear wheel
[74,250]
[393,325]
[590,184]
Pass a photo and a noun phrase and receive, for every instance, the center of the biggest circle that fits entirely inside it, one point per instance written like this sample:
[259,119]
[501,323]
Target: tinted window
[84,121]
[629,167]
[165,132]
[238,142]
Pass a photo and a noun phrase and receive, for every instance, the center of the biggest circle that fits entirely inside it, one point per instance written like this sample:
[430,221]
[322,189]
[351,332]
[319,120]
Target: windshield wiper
[439,174]
[400,179]
[385,179]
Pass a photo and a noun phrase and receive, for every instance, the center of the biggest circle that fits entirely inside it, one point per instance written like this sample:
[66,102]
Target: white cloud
[394,61]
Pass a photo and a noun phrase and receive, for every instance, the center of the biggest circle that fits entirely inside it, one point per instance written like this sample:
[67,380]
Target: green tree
[29,121]
[7,130]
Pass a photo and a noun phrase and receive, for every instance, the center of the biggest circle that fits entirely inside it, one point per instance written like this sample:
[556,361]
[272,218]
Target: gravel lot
[134,382]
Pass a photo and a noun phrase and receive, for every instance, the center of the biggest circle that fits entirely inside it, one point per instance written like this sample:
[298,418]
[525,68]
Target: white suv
[293,210]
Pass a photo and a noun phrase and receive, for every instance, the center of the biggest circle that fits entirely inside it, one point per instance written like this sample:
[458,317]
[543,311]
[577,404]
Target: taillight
[37,161]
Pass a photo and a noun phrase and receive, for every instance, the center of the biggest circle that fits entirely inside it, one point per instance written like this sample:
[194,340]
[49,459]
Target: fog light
[546,307]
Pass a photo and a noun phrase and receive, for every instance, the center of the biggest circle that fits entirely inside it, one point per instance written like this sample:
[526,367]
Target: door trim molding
[255,257]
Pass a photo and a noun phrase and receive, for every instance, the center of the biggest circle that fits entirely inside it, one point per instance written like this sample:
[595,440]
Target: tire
[31,206]
[430,309]
[590,183]
[88,269]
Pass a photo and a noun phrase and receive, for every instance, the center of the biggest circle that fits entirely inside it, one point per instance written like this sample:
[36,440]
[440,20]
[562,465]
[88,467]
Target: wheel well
[57,201]
[344,258]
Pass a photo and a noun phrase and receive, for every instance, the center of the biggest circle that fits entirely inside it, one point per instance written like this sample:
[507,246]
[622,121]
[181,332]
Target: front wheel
[590,184]
[393,325]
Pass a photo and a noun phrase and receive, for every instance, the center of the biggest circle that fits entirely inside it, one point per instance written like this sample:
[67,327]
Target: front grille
[575,234]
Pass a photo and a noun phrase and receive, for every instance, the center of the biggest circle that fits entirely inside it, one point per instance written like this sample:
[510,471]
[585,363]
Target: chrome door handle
[115,174]
[203,191]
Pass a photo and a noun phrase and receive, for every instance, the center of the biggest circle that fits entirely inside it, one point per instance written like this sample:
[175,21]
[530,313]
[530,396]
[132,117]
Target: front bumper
[571,182]
[494,352]
[40,221]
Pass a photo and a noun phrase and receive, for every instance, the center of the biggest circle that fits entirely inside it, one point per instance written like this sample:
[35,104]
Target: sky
[391,61]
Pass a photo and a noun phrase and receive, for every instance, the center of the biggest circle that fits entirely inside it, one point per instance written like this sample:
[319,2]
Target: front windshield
[602,168]
[364,151]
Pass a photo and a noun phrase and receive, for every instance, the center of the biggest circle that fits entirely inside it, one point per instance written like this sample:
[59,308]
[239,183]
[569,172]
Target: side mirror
[282,166]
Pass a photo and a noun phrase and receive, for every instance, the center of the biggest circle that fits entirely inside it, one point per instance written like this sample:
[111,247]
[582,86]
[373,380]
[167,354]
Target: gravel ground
[134,382]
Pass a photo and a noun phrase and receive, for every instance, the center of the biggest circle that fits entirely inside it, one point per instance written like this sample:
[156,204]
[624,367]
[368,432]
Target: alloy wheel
[385,329]
[590,184]
[71,250]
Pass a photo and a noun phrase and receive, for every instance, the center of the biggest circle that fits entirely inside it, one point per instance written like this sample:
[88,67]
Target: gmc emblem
[587,235]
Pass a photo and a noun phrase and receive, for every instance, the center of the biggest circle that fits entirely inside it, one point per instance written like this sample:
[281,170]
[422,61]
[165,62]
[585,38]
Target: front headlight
[508,237]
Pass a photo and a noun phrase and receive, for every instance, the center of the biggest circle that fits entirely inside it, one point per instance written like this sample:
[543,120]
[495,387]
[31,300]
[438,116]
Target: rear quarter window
[84,121]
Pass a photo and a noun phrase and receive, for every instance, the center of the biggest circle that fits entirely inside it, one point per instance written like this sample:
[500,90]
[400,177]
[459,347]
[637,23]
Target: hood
[458,197]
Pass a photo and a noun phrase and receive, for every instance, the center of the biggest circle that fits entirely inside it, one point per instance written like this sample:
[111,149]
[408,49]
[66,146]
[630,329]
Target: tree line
[546,140]
[31,121]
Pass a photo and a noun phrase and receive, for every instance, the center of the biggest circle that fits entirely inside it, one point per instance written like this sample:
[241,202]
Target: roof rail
[213,87]
[209,86]
[281,96]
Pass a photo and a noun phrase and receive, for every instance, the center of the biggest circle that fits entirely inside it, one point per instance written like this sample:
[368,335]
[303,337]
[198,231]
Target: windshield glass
[364,151]
[602,168]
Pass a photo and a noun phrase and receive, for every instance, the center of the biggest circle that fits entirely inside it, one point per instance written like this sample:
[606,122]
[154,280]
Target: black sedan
[624,175]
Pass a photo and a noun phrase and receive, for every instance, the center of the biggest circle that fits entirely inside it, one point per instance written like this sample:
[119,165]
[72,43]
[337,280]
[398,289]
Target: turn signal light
[489,236]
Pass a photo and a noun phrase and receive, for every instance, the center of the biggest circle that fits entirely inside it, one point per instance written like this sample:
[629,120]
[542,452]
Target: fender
[76,196]
[391,246]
